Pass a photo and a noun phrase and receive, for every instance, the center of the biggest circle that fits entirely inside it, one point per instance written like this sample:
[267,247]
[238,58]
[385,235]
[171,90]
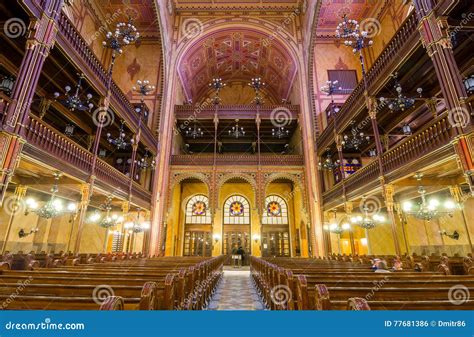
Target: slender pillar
[456,193]
[437,42]
[348,208]
[403,222]
[20,192]
[41,38]
[388,196]
[371,103]
[85,198]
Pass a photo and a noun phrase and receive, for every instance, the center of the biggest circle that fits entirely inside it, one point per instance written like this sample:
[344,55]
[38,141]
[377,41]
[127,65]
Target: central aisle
[236,292]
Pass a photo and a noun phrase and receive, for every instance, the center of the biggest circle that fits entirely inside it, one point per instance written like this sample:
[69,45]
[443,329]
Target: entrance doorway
[197,244]
[233,239]
[276,244]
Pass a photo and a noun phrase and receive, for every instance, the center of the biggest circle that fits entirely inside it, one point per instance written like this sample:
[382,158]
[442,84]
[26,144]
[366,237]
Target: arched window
[275,212]
[236,211]
[197,211]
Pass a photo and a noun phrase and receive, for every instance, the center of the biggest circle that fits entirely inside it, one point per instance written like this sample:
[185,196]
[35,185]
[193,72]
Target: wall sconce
[23,234]
[256,237]
[216,237]
[469,84]
[454,235]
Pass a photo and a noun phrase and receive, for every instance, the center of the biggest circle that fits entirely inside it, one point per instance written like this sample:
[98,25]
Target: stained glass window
[197,211]
[236,211]
[276,212]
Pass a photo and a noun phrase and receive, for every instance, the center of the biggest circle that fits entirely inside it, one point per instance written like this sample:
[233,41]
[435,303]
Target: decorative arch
[197,210]
[178,178]
[276,211]
[297,180]
[285,40]
[246,177]
[236,210]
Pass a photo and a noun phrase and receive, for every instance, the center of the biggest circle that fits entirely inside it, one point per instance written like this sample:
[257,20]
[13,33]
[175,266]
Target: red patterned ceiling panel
[237,55]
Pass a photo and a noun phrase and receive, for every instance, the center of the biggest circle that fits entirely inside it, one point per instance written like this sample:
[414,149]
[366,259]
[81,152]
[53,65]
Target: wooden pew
[327,285]
[162,283]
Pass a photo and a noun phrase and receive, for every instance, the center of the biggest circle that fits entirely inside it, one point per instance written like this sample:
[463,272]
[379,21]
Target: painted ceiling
[332,11]
[142,11]
[237,55]
[187,4]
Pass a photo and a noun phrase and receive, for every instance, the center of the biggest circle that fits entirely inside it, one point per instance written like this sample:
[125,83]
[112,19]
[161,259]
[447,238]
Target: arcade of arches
[259,129]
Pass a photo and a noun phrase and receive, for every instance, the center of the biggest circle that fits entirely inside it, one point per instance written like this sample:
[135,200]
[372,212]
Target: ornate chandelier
[354,37]
[356,140]
[121,141]
[237,131]
[217,84]
[124,34]
[328,163]
[72,99]
[194,132]
[54,207]
[6,84]
[137,226]
[401,102]
[107,220]
[257,85]
[280,132]
[336,228]
[146,163]
[429,209]
[366,220]
[330,87]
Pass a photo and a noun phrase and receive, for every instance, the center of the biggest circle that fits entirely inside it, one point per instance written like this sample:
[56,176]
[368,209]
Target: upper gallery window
[276,211]
[197,211]
[236,211]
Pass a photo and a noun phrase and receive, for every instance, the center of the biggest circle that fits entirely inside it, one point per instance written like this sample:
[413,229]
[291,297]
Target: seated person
[382,267]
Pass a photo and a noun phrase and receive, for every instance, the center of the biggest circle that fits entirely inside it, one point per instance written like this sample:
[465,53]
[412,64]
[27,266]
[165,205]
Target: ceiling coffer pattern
[332,11]
[237,55]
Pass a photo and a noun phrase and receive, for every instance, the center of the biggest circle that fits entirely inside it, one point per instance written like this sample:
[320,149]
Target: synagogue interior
[236,155]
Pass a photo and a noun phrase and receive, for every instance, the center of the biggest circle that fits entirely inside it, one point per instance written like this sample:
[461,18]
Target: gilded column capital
[389,192]
[349,207]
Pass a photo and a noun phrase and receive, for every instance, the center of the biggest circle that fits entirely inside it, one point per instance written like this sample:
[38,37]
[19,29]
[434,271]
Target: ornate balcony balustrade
[48,145]
[4,102]
[71,42]
[76,47]
[207,111]
[237,159]
[404,40]
[428,146]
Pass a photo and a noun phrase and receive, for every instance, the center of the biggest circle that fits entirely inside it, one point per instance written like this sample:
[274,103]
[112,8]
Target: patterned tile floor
[236,292]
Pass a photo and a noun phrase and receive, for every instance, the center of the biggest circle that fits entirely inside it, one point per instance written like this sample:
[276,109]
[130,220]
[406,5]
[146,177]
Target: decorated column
[41,37]
[389,203]
[436,39]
